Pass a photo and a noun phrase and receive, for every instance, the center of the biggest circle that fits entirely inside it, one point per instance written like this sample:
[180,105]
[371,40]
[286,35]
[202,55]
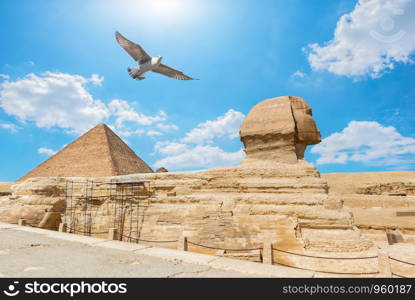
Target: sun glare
[166,7]
[159,10]
[155,15]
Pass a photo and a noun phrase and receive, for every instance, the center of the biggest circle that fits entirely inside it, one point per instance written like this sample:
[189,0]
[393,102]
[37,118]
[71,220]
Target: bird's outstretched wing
[166,70]
[133,49]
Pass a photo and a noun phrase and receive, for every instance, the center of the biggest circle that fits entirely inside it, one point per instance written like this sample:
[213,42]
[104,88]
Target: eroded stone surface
[278,130]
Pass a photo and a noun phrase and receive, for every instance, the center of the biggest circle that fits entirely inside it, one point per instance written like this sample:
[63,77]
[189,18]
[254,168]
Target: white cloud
[4,76]
[167,127]
[368,143]
[96,79]
[10,126]
[226,126]
[298,74]
[127,132]
[370,40]
[127,120]
[46,151]
[123,112]
[200,156]
[53,99]
[62,100]
[154,133]
[170,148]
[195,149]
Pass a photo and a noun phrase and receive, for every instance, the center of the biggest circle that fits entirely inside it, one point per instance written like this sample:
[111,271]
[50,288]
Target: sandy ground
[31,252]
[24,254]
[34,252]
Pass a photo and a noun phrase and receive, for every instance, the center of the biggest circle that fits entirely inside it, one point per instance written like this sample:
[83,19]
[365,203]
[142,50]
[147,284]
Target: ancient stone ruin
[273,195]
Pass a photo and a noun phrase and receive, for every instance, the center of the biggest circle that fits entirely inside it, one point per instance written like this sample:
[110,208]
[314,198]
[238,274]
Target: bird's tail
[130,71]
[134,75]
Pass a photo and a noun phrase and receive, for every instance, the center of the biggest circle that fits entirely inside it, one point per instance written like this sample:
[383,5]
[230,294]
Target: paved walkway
[32,252]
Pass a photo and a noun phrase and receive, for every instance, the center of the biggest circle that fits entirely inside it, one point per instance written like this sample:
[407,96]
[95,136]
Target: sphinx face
[306,129]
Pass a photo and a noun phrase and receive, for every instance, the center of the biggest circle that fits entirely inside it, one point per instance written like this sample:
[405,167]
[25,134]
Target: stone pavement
[33,252]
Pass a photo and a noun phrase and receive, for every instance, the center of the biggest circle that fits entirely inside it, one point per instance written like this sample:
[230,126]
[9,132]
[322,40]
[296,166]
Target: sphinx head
[279,130]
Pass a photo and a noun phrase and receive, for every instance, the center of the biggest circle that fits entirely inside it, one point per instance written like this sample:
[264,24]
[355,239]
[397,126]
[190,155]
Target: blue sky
[61,72]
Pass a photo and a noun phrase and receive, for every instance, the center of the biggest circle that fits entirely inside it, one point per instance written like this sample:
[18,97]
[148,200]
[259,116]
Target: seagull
[146,62]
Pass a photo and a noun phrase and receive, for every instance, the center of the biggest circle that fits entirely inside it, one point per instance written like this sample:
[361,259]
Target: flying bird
[146,62]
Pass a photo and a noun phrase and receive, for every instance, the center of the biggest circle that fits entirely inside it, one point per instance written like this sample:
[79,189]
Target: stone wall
[375,198]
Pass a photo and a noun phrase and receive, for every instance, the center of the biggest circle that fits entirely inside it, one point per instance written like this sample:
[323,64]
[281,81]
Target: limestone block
[333,204]
[50,220]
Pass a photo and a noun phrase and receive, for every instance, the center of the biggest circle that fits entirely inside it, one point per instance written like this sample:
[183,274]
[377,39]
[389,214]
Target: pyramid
[97,153]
